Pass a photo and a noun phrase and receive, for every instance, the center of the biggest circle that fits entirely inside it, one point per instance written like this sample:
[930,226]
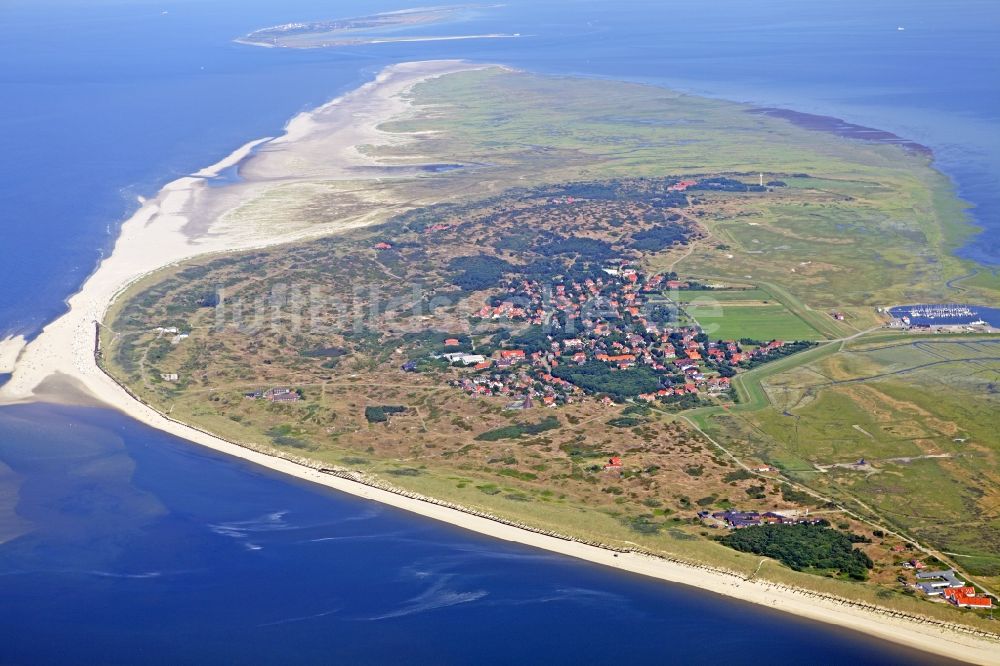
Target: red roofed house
[965,597]
[682,185]
[451,342]
[383,246]
[618,358]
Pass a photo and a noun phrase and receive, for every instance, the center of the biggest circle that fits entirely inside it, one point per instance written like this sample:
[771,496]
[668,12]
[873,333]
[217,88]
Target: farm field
[753,296]
[758,322]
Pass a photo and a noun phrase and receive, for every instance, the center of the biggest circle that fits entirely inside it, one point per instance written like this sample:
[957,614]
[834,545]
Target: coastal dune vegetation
[566,177]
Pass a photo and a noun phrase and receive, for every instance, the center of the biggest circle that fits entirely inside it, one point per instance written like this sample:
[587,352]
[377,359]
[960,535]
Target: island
[634,326]
[403,25]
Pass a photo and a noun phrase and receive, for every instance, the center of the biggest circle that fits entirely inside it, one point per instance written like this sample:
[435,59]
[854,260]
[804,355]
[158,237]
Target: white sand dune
[159,235]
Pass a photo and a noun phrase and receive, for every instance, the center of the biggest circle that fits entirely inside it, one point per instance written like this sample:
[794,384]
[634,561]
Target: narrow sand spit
[185,218]
[323,144]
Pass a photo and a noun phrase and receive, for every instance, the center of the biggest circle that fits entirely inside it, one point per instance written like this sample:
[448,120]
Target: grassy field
[753,296]
[759,322]
[837,252]
[921,412]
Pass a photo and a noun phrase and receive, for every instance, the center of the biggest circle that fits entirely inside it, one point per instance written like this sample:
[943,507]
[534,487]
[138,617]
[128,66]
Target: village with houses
[946,585]
[616,336]
[736,519]
[582,317]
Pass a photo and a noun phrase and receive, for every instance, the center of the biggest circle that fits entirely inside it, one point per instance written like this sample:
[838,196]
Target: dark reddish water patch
[843,128]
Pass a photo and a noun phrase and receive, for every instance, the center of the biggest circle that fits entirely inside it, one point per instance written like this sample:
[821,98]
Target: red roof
[616,358]
[966,596]
[978,602]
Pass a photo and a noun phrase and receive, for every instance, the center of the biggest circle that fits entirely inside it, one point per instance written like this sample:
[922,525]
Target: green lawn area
[726,295]
[760,322]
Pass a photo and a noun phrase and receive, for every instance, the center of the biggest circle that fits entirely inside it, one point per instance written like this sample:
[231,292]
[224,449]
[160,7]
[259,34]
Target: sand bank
[188,218]
[10,348]
[324,144]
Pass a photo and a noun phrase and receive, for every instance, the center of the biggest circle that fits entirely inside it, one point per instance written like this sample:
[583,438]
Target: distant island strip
[381,28]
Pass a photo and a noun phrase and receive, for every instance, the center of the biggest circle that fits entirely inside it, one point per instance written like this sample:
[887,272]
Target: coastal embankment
[188,219]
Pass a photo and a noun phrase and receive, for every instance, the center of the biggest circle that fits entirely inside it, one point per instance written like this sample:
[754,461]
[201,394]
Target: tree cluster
[803,546]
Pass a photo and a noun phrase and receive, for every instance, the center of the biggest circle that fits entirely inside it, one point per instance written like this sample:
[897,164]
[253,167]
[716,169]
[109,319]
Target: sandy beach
[187,218]
[10,348]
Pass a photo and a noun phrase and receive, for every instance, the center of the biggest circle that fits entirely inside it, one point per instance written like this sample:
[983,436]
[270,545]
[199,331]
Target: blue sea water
[990,315]
[135,546]
[145,549]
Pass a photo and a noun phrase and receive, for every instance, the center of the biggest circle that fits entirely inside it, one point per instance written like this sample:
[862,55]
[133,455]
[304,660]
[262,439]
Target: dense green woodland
[804,547]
